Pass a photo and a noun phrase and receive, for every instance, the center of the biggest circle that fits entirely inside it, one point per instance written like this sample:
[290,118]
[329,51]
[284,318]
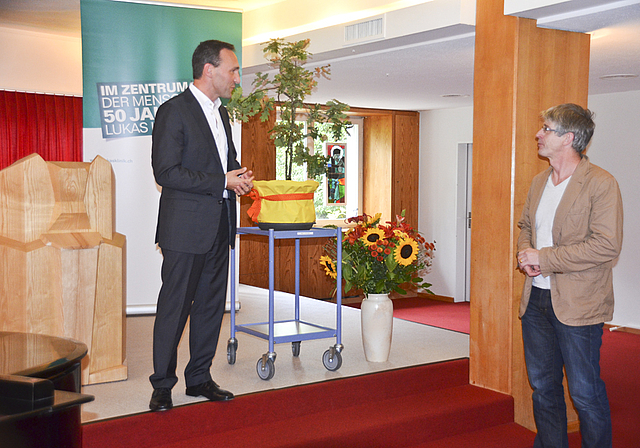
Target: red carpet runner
[430,406]
[402,408]
[450,316]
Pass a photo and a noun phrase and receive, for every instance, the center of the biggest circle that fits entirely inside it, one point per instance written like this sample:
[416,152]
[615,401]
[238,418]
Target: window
[339,195]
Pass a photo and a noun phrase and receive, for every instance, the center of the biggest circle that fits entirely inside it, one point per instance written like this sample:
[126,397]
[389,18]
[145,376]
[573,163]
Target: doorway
[463,223]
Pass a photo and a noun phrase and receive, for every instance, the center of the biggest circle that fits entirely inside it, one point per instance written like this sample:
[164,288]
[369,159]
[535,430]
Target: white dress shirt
[211,110]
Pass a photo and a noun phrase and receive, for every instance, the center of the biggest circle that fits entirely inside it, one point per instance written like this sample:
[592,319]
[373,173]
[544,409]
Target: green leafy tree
[288,89]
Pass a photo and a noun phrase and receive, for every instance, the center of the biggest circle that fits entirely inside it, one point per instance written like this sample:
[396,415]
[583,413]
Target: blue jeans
[548,346]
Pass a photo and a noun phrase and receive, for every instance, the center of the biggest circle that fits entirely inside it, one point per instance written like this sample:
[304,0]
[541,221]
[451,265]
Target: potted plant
[287,90]
[379,258]
[298,122]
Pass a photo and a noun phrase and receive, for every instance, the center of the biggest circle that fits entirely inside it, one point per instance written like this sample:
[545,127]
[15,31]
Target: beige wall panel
[44,292]
[13,303]
[109,329]
[99,198]
[72,240]
[79,269]
[60,276]
[26,199]
[377,165]
[69,180]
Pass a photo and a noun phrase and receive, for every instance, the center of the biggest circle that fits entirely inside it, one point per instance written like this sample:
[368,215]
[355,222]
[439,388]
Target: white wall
[616,148]
[34,61]
[440,133]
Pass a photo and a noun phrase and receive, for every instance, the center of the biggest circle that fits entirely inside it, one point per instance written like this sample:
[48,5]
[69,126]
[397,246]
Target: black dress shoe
[210,390]
[161,399]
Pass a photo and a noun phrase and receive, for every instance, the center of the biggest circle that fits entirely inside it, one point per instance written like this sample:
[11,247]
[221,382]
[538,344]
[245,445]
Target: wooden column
[520,70]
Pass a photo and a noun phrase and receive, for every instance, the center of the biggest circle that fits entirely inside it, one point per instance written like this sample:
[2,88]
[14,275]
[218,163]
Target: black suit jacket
[187,166]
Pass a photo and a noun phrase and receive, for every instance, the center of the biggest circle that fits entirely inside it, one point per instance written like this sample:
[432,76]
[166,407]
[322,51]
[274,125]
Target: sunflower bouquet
[380,258]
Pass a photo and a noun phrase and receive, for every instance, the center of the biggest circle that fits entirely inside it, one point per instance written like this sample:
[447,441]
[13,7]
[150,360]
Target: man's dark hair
[208,52]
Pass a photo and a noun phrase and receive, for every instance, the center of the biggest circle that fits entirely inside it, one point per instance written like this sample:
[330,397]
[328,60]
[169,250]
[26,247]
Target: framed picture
[336,181]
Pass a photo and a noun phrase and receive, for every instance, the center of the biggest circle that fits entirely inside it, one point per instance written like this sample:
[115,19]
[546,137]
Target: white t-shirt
[545,215]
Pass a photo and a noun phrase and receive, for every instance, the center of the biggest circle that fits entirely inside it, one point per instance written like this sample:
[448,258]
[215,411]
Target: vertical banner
[135,56]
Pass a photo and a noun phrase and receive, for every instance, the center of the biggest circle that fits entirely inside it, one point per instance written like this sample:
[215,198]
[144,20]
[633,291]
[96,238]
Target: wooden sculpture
[62,265]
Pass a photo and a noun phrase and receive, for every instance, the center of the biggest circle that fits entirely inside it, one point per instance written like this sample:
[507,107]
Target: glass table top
[29,354]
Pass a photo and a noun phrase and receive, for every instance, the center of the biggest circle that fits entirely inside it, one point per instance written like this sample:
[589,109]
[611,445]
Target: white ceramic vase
[377,326]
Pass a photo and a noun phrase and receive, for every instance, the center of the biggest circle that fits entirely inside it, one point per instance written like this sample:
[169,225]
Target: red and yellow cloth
[283,201]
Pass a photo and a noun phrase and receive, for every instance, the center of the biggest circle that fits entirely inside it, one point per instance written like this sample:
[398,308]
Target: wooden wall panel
[406,157]
[531,70]
[259,155]
[377,165]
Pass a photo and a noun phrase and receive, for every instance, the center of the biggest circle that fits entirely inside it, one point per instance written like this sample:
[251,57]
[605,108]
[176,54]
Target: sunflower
[371,236]
[329,266]
[406,252]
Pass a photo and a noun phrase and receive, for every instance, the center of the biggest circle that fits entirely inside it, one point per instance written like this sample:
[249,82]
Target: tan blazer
[587,238]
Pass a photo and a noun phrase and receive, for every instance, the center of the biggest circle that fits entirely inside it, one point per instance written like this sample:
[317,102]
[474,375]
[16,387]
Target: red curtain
[50,125]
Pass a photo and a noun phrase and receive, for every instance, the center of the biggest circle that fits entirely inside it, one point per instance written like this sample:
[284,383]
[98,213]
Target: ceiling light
[454,95]
[619,76]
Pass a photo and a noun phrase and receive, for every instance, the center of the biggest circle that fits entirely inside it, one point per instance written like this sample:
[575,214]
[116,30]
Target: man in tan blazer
[570,237]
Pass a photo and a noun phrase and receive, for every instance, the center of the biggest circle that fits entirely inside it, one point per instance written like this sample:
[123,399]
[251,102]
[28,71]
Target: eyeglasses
[546,129]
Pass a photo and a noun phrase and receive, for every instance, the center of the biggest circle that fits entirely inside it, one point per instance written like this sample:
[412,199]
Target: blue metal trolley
[296,330]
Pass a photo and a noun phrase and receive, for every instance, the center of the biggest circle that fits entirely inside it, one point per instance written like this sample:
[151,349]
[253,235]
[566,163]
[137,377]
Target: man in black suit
[194,161]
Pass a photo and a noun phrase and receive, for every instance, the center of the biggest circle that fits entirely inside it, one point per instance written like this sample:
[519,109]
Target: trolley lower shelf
[288,331]
[294,331]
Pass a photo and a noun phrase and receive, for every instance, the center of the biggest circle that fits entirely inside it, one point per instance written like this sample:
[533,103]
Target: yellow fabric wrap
[283,201]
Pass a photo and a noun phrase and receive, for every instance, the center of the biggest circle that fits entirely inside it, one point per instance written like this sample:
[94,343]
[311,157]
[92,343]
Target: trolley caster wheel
[295,348]
[266,371]
[231,352]
[332,361]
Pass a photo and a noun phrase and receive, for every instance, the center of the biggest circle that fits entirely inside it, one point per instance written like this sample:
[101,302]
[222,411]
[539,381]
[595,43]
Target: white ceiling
[438,73]
[420,72]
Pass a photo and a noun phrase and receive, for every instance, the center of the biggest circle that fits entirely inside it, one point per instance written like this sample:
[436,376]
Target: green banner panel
[137,55]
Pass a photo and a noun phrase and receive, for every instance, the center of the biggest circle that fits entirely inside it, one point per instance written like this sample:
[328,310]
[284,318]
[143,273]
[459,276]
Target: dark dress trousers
[196,225]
